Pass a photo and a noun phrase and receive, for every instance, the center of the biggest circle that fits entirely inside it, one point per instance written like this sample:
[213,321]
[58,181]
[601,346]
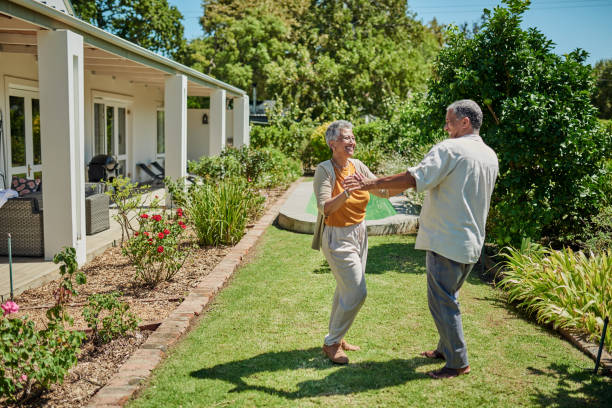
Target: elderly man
[459,175]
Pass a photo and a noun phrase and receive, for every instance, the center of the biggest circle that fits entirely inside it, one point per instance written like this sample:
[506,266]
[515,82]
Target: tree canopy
[538,118]
[602,98]
[152,24]
[329,57]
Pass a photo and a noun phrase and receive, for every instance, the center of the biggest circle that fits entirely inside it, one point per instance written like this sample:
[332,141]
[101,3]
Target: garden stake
[10,264]
[601,344]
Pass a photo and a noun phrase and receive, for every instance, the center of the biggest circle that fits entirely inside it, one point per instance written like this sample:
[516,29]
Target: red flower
[144,216]
[160,249]
[157,217]
[183,226]
[136,233]
[146,233]
[181,222]
[151,240]
[160,235]
[179,212]
[167,231]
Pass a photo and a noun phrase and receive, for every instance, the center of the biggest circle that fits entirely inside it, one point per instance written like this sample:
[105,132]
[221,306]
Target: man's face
[456,127]
[345,142]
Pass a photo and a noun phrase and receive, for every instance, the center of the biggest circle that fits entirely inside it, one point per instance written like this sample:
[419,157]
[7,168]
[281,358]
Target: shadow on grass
[398,257]
[576,388]
[352,378]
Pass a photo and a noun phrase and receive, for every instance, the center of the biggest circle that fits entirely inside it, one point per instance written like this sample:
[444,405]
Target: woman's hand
[355,182]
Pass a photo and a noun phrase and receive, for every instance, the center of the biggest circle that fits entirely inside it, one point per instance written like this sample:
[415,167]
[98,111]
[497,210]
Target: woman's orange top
[354,209]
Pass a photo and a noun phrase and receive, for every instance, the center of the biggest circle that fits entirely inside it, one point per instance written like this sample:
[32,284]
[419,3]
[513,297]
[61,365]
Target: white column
[60,74]
[241,121]
[175,128]
[216,141]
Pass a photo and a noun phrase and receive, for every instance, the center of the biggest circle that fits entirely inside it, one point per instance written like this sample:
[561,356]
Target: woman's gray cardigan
[324,181]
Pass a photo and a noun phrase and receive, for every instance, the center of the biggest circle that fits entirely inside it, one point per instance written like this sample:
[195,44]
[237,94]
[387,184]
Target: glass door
[110,132]
[24,131]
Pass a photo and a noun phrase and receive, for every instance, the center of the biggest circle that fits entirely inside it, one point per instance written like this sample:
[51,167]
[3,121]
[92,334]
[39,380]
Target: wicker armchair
[22,217]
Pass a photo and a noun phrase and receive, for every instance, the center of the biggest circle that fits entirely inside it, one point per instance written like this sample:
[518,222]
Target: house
[71,91]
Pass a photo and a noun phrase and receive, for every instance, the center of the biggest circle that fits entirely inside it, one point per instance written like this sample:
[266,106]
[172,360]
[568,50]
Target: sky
[570,24]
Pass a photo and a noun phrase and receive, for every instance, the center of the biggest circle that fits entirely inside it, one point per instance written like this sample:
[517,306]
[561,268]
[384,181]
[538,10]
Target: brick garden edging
[140,364]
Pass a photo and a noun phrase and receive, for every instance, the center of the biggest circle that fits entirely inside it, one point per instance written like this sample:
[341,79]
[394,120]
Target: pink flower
[156,197]
[157,217]
[10,307]
[160,235]
[144,216]
[23,378]
[160,249]
[167,231]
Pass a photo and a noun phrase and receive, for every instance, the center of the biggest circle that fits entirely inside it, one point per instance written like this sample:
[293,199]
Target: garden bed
[110,272]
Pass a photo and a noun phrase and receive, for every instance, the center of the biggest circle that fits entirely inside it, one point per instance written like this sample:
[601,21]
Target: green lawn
[260,343]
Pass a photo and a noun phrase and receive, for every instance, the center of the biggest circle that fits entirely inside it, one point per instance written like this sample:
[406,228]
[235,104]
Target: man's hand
[356,182]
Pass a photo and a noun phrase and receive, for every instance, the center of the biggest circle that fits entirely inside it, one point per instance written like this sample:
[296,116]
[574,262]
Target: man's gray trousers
[444,279]
[346,251]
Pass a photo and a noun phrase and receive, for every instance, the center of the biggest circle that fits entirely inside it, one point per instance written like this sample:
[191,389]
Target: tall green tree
[602,98]
[330,57]
[152,24]
[538,118]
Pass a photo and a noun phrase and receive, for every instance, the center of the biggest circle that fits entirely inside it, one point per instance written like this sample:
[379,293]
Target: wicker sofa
[22,217]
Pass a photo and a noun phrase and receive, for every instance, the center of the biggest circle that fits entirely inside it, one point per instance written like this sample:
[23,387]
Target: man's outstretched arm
[398,182]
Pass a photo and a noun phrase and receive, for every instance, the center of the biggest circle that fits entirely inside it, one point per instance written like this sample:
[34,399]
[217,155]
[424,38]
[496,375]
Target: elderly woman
[341,233]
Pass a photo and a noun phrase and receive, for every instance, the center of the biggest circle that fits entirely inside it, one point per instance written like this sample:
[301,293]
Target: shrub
[564,288]
[154,249]
[31,361]
[317,149]
[129,198]
[105,308]
[539,120]
[220,211]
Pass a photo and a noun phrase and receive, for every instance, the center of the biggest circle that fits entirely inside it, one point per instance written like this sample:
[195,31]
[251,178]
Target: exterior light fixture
[205,119]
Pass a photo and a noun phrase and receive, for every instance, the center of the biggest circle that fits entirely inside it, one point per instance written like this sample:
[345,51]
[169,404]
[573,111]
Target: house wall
[198,133]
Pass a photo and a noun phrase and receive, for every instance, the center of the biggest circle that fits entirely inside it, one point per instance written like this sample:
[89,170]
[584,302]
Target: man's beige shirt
[459,175]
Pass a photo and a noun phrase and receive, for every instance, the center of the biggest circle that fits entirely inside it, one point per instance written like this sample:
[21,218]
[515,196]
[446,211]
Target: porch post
[175,128]
[60,74]
[216,142]
[241,121]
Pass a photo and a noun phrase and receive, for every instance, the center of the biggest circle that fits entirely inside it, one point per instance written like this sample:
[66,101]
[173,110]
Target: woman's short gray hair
[333,130]
[467,108]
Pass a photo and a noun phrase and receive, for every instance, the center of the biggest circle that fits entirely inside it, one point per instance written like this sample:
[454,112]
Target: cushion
[24,186]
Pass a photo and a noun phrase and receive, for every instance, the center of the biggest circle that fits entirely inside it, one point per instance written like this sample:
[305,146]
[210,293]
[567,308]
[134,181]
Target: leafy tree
[330,58]
[602,98]
[152,24]
[539,120]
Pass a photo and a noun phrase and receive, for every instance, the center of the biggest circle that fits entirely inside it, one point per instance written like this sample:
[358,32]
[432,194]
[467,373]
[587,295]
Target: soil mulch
[107,273]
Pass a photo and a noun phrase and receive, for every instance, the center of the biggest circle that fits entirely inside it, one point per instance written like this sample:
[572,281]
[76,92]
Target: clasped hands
[355,182]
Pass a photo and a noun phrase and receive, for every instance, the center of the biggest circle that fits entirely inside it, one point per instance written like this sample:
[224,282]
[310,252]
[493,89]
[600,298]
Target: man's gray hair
[333,130]
[467,108]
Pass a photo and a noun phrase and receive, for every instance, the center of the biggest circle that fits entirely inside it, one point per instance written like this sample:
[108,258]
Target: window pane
[161,140]
[36,131]
[18,153]
[110,126]
[122,164]
[98,129]
[121,130]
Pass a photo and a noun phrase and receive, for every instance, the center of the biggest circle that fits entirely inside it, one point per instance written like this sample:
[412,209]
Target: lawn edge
[132,375]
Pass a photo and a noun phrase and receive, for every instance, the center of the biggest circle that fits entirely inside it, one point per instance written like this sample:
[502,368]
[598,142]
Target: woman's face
[345,143]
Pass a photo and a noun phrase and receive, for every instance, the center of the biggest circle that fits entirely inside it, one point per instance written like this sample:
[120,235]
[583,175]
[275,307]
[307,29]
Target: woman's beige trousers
[346,251]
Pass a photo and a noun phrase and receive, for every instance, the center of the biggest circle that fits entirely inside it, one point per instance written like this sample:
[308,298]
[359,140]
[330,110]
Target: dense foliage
[108,317]
[152,24]
[539,120]
[331,58]
[602,98]
[564,288]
